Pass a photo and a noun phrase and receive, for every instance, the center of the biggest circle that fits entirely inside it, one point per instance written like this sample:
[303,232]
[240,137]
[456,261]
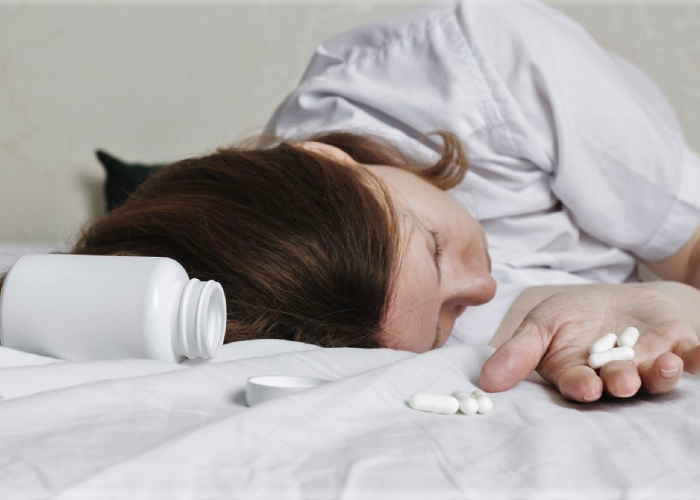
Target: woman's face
[432,290]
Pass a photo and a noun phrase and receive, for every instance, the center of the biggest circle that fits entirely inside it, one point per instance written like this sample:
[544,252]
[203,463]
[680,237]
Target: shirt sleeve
[608,137]
[523,87]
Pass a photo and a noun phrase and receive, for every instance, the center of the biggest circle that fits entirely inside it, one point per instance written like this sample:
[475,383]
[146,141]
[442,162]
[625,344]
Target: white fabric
[578,163]
[149,430]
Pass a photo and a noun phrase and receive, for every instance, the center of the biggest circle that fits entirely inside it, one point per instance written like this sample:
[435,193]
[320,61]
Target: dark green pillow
[122,178]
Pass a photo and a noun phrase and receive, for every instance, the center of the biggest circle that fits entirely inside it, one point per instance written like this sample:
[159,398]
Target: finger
[661,374]
[621,378]
[579,383]
[689,351]
[515,359]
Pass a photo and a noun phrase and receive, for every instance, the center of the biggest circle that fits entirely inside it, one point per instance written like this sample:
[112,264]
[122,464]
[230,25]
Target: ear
[332,152]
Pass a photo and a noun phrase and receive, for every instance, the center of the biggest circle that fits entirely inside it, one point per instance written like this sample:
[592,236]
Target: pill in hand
[605,343]
[629,337]
[434,403]
[599,359]
[467,404]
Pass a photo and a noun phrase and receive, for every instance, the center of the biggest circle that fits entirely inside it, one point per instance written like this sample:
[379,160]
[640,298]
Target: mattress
[149,429]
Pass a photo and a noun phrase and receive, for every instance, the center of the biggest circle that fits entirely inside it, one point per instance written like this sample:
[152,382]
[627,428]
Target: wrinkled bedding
[147,429]
[151,430]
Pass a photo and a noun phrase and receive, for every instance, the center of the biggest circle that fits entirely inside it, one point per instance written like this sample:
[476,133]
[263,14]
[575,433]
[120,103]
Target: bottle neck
[201,321]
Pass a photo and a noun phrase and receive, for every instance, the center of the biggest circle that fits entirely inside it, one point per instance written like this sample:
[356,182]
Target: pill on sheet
[467,403]
[484,402]
[597,360]
[434,403]
[605,343]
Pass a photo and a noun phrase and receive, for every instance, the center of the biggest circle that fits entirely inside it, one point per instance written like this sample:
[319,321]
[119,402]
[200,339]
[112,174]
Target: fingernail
[669,373]
[587,398]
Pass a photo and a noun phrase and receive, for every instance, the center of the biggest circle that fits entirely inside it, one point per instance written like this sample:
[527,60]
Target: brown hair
[304,249]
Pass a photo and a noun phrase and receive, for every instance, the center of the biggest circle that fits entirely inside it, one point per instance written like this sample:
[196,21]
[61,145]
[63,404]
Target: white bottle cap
[261,389]
[202,319]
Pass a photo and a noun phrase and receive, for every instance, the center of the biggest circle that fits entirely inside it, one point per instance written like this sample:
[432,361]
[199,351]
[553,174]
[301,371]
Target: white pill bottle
[90,307]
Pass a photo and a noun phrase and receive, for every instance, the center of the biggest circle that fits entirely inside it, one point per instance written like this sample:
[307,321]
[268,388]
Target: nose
[472,285]
[470,289]
[483,288]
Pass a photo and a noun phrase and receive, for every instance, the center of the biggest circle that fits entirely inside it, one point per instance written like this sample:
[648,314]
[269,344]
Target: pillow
[122,178]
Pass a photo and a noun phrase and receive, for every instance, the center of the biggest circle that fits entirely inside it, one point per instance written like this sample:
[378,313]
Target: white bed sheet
[148,429]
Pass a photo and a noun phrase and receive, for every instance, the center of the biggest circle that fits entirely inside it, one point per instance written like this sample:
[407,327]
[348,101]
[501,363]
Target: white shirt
[578,163]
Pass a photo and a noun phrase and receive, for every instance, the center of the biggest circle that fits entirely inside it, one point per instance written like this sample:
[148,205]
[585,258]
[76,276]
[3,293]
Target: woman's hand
[555,336]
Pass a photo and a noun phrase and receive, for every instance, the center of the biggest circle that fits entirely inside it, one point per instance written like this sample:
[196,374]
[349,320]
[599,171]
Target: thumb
[515,359]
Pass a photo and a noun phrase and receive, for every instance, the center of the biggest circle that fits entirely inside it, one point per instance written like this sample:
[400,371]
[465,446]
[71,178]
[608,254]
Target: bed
[148,429]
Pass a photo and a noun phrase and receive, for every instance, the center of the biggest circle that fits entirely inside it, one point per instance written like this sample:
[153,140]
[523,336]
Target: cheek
[413,313]
[408,333]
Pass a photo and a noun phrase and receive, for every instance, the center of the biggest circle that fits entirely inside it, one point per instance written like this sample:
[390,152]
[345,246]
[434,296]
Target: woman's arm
[686,296]
[682,266]
[551,328]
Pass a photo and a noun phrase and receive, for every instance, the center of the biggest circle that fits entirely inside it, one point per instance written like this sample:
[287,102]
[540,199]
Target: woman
[336,229]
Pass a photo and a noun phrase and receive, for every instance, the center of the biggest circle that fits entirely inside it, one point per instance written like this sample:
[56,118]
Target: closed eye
[438,243]
[438,253]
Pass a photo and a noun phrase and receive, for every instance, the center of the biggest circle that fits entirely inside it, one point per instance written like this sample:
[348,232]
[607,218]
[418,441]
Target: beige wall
[157,82]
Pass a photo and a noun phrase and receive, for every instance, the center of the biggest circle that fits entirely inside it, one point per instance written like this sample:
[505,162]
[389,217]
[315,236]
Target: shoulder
[495,17]
[378,34]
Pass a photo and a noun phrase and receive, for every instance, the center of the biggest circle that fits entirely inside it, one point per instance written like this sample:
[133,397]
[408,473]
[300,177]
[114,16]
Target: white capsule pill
[467,404]
[599,359]
[629,337]
[434,403]
[605,343]
[484,402]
